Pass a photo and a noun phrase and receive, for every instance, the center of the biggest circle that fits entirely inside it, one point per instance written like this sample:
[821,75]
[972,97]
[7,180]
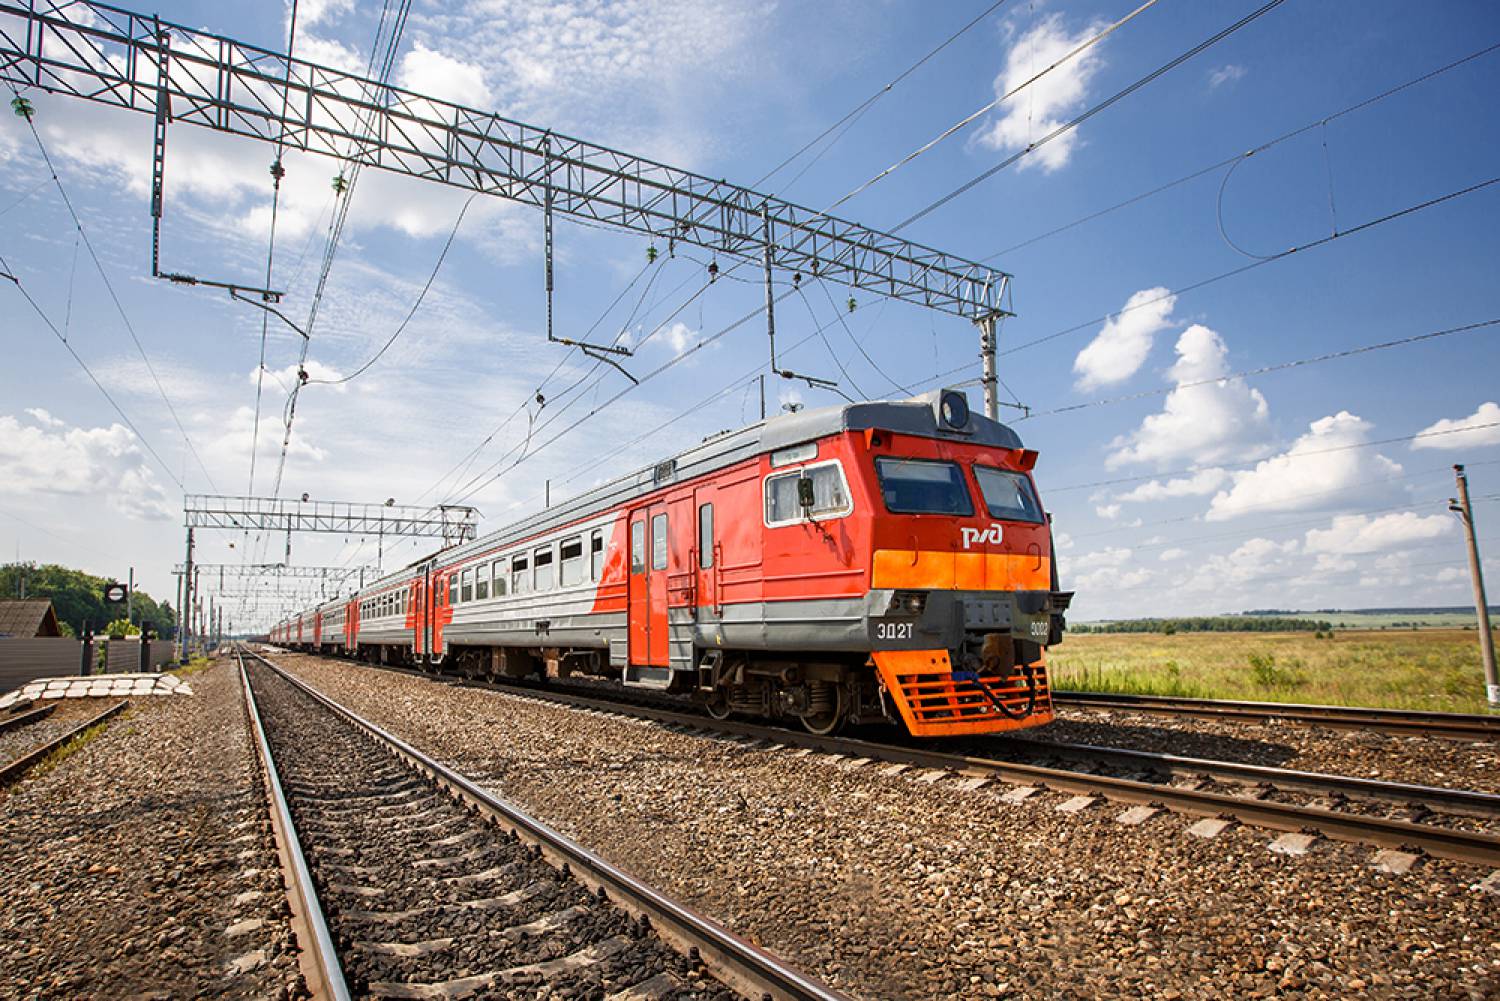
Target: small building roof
[28,618]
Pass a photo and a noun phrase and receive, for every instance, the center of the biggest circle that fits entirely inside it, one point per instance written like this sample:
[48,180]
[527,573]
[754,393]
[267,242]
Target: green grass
[1403,669]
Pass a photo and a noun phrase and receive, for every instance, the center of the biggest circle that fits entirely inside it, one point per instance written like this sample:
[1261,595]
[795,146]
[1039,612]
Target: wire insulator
[277,170]
[22,107]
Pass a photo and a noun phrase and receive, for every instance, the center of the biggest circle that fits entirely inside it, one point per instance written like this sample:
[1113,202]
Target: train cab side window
[501,572]
[1008,495]
[481,583]
[705,536]
[572,561]
[596,554]
[830,495]
[466,592]
[659,542]
[520,575]
[546,573]
[638,547]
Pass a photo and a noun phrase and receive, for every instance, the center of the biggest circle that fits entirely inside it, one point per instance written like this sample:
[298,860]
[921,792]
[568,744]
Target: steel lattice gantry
[128,60]
[452,523]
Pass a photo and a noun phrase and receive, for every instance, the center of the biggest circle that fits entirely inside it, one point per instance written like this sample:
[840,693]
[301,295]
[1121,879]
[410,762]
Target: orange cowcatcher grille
[933,703]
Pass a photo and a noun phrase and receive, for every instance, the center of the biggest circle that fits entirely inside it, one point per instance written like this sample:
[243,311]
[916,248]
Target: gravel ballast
[142,863]
[890,885]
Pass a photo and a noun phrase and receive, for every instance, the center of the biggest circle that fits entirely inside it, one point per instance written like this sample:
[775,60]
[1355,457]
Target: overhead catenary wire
[1072,54]
[1266,369]
[859,110]
[114,298]
[10,274]
[1096,109]
[1252,151]
[277,172]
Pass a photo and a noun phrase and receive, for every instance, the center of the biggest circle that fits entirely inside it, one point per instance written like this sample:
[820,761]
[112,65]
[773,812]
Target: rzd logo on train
[990,536]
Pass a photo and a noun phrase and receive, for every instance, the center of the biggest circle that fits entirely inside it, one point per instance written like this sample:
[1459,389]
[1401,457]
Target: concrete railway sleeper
[434,888]
[1477,846]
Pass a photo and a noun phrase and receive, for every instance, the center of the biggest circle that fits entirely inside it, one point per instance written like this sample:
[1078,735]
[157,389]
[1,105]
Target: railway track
[1409,722]
[13,770]
[413,882]
[1259,800]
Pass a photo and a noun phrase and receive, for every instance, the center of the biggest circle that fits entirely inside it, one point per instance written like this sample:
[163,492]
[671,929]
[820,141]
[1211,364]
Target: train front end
[964,593]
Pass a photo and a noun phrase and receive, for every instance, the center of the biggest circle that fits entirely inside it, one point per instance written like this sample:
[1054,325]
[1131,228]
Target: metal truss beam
[272,571]
[116,57]
[452,523]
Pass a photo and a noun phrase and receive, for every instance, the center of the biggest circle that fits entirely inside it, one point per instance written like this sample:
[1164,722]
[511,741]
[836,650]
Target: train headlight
[908,603]
[953,410]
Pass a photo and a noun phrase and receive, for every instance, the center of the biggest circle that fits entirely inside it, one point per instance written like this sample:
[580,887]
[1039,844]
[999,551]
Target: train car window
[659,542]
[546,573]
[501,572]
[705,536]
[481,583]
[596,554]
[466,585]
[520,575]
[638,547]
[830,495]
[452,588]
[923,486]
[1008,495]
[572,561]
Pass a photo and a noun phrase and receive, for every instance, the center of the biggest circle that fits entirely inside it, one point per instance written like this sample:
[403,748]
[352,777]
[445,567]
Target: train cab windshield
[923,486]
[1008,495]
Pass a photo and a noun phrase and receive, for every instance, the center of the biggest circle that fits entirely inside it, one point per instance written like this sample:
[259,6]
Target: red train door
[648,586]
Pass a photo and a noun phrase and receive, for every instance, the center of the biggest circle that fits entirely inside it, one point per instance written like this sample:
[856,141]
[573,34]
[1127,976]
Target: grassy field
[1431,669]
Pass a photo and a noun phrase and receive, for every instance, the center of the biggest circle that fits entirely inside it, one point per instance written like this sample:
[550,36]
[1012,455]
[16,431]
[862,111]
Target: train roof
[917,416]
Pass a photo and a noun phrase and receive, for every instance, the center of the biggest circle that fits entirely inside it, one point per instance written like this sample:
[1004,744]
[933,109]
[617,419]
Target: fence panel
[23,660]
[122,656]
[161,654]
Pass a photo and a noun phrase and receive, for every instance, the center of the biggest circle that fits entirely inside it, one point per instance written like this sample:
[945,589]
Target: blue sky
[1219,508]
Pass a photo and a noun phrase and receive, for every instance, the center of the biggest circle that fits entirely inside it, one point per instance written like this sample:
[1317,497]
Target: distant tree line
[78,598]
[1207,624]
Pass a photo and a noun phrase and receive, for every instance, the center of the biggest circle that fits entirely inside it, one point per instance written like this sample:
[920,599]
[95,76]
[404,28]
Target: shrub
[1265,673]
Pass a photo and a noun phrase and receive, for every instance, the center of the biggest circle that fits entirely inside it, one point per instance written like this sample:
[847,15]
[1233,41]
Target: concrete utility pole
[986,326]
[1465,513]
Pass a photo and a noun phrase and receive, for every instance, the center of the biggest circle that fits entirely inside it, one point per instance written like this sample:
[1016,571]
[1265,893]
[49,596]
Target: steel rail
[1458,726]
[21,719]
[1468,802]
[1479,848]
[19,766]
[746,968]
[319,959]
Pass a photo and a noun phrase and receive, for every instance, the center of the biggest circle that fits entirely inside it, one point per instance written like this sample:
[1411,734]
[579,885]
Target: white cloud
[1110,556]
[326,52]
[1049,101]
[1062,541]
[1108,511]
[1488,413]
[311,12]
[1168,555]
[44,418]
[1225,74]
[1207,422]
[433,74]
[1310,473]
[1353,534]
[105,462]
[1122,344]
[1199,484]
[679,337]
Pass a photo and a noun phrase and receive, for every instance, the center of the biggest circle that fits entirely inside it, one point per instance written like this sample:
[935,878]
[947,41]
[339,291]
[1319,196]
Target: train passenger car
[880,560]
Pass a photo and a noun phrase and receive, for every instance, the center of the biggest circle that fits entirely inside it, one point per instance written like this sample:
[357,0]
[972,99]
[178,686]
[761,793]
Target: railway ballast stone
[121,865]
[888,887]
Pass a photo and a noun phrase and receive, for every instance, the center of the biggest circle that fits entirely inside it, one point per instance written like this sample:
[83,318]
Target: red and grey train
[871,561]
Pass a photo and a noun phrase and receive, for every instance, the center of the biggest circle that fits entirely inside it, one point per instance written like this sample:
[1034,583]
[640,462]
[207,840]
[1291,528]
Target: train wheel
[826,709]
[717,706]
